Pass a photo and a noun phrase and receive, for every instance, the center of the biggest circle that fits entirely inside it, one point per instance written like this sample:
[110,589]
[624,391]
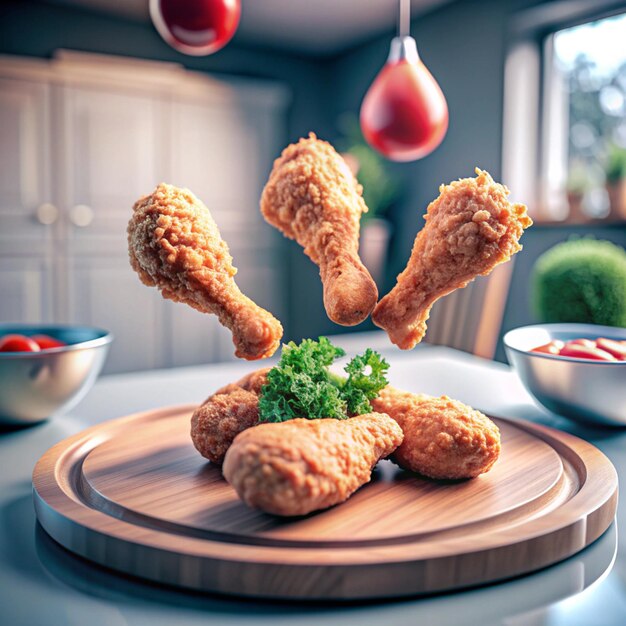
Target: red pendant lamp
[404,114]
[196,27]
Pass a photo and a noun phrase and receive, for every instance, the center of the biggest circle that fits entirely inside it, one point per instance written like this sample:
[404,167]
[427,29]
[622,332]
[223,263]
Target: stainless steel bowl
[587,391]
[38,385]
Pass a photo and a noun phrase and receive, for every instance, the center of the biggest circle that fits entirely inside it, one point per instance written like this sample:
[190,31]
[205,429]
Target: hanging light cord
[404,23]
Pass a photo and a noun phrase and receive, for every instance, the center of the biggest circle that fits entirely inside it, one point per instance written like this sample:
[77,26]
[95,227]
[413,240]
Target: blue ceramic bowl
[37,385]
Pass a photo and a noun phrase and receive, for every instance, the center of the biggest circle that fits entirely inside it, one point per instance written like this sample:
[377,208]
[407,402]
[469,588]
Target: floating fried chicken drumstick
[299,466]
[175,245]
[470,228]
[443,438]
[226,413]
[312,197]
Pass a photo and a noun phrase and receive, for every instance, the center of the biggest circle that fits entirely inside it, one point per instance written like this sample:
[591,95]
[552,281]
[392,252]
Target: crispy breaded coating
[175,245]
[470,228]
[299,466]
[443,438]
[226,413]
[311,196]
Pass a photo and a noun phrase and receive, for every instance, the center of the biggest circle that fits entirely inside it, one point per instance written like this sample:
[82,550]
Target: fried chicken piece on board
[312,196]
[299,466]
[443,438]
[223,415]
[470,228]
[175,245]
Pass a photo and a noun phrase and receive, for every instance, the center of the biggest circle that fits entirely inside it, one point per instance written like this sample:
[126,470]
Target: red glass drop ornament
[404,114]
[196,27]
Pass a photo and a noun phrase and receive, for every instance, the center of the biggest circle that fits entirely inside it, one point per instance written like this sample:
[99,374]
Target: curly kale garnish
[361,387]
[301,385]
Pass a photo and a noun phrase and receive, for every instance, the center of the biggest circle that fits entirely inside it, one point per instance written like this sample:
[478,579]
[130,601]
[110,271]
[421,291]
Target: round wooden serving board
[134,495]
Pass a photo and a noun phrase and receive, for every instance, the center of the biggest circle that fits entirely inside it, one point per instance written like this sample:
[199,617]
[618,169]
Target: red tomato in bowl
[18,343]
[601,349]
[616,348]
[588,343]
[554,347]
[578,351]
[45,342]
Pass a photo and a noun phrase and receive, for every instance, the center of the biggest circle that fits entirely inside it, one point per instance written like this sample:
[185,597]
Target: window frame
[526,152]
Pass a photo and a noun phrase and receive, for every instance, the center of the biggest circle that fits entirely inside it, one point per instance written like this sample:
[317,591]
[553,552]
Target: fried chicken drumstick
[300,466]
[470,228]
[443,438]
[226,413]
[311,196]
[175,245]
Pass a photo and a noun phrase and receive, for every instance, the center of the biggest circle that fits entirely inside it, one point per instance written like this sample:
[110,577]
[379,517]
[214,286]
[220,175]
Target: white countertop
[41,583]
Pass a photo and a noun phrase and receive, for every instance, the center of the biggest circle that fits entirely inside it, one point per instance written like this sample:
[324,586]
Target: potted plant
[581,280]
[616,181]
[578,185]
[380,190]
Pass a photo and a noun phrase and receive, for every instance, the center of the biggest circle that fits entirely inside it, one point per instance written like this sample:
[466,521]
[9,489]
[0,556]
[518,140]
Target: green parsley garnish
[301,385]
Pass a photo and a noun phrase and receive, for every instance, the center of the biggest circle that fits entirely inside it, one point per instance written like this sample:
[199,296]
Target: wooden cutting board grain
[135,496]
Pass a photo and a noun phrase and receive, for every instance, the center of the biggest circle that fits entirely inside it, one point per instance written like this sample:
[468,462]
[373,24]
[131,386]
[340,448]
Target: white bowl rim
[105,339]
[599,331]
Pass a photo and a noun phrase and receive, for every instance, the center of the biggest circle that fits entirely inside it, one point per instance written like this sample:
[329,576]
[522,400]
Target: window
[583,165]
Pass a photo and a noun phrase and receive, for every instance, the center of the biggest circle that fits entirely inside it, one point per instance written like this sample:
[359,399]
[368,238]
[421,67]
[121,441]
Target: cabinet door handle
[81,215]
[46,214]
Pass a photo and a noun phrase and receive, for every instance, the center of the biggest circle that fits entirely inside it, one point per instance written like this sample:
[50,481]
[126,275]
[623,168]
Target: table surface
[41,583]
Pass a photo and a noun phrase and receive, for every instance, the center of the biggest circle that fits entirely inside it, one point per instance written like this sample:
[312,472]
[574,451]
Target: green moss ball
[582,280]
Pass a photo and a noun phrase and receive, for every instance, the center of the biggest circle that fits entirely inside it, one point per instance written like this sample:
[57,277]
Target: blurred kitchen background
[96,109]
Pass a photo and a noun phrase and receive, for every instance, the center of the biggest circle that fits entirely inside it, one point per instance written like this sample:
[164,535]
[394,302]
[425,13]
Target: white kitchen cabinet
[82,139]
[105,292]
[224,142]
[207,145]
[113,154]
[26,289]
[26,274]
[24,163]
[111,157]
[194,337]
[261,277]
